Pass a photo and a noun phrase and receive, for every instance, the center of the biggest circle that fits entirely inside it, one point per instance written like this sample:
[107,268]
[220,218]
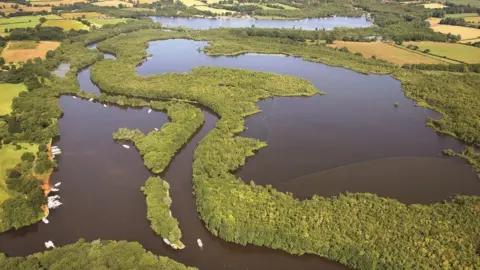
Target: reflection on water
[305,24]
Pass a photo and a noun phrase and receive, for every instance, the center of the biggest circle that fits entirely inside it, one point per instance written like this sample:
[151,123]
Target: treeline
[382,233]
[324,10]
[95,255]
[453,8]
[441,67]
[454,21]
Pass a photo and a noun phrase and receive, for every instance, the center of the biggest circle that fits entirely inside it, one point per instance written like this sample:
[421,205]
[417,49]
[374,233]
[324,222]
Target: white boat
[105,105]
[156,129]
[74,97]
[53,202]
[199,242]
[45,220]
[90,99]
[126,146]
[54,189]
[57,184]
[166,241]
[149,111]
[49,244]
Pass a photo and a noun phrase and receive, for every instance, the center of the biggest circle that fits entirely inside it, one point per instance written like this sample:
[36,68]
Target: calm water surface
[306,24]
[351,139]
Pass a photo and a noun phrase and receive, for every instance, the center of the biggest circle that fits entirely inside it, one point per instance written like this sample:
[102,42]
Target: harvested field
[57,2]
[460,52]
[7,8]
[66,24]
[386,52]
[113,3]
[86,15]
[433,6]
[13,54]
[464,32]
[102,22]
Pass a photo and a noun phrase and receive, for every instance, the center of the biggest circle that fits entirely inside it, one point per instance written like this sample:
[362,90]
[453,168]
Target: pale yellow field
[190,3]
[433,6]
[460,52]
[433,21]
[470,40]
[22,55]
[214,10]
[57,2]
[66,24]
[465,32]
[475,19]
[86,15]
[386,52]
[113,3]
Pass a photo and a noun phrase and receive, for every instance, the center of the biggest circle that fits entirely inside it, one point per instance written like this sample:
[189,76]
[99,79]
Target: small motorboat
[90,99]
[156,129]
[49,244]
[74,97]
[199,242]
[45,220]
[57,184]
[54,189]
[126,146]
[105,105]
[149,111]
[166,241]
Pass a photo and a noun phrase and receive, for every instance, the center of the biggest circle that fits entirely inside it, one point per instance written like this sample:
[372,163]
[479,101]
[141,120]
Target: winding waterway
[306,24]
[351,139]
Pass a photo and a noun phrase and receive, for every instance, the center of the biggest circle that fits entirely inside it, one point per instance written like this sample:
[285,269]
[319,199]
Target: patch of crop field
[464,32]
[102,22]
[385,52]
[433,21]
[9,158]
[433,6]
[214,10]
[22,22]
[67,25]
[475,3]
[20,51]
[84,15]
[460,52]
[461,15]
[286,7]
[57,2]
[475,19]
[141,9]
[113,3]
[470,40]
[190,3]
[7,8]
[8,92]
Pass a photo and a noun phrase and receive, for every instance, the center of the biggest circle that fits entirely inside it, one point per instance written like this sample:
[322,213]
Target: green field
[22,22]
[7,93]
[460,52]
[102,22]
[9,158]
[461,15]
[66,24]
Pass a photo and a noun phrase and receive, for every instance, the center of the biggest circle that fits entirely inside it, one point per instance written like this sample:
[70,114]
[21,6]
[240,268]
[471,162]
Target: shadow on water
[351,139]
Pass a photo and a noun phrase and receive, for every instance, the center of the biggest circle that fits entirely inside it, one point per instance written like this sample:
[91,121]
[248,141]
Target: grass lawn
[102,22]
[22,22]
[460,52]
[21,51]
[9,158]
[113,3]
[66,24]
[7,92]
[386,52]
[465,32]
[433,6]
[86,15]
[470,40]
[461,15]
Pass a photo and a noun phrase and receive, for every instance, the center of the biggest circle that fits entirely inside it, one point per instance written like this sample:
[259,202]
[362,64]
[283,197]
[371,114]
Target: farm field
[190,3]
[57,2]
[102,22]
[464,32]
[86,15]
[9,91]
[433,6]
[470,40]
[473,19]
[214,10]
[7,8]
[21,51]
[464,53]
[113,3]
[461,15]
[9,158]
[22,22]
[386,52]
[66,24]
[475,3]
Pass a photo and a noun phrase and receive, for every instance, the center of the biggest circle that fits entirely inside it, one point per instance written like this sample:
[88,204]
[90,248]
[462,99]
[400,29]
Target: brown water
[351,139]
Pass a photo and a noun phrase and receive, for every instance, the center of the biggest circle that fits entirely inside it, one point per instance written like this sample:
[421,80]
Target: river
[351,139]
[306,24]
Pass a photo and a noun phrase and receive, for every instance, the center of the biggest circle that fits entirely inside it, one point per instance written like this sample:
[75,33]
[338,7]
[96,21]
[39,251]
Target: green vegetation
[95,255]
[382,233]
[19,45]
[459,52]
[102,22]
[66,24]
[7,93]
[158,210]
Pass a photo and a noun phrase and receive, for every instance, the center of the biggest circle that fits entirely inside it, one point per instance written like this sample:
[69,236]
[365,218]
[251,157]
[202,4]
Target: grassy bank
[95,255]
[9,92]
[359,230]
